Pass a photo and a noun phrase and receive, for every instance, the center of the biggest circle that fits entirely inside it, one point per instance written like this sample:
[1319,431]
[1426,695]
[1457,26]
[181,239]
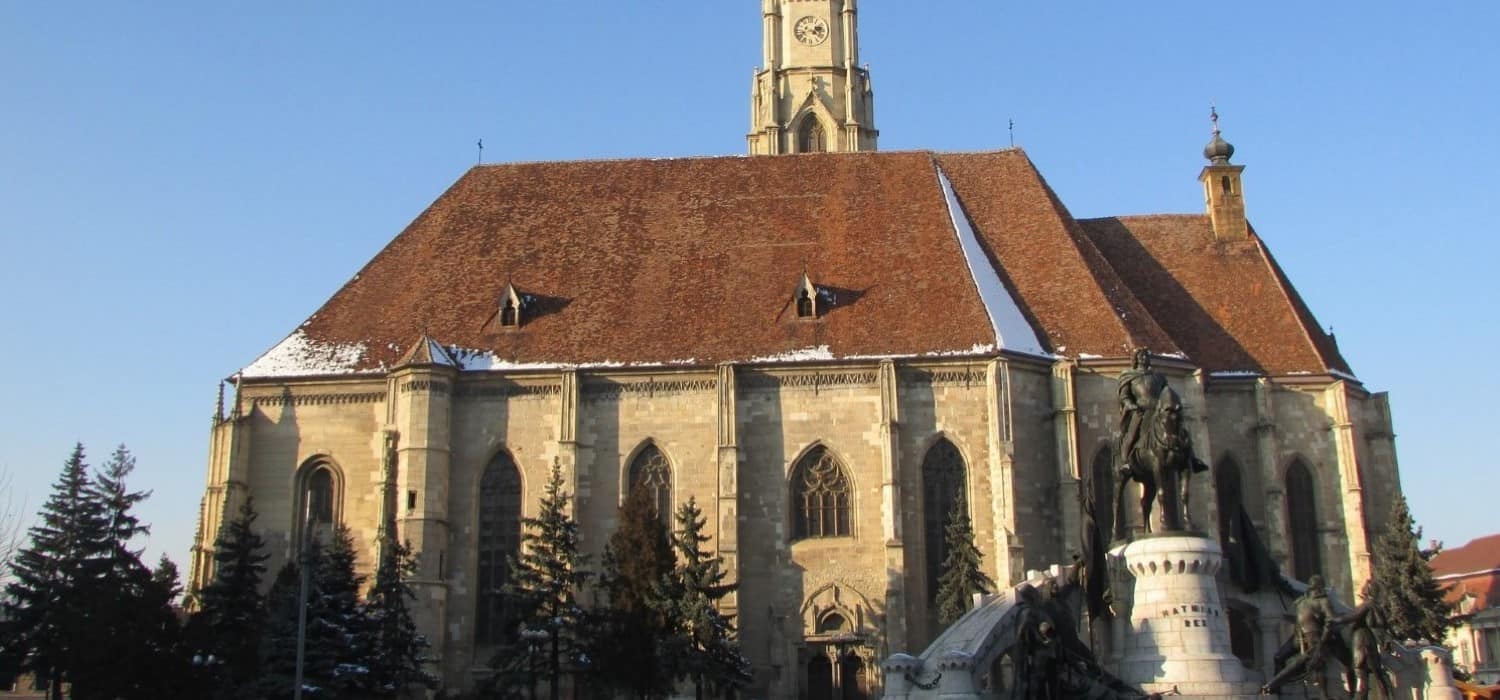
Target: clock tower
[811,94]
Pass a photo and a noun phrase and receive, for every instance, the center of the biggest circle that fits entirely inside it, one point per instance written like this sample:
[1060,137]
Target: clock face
[811,31]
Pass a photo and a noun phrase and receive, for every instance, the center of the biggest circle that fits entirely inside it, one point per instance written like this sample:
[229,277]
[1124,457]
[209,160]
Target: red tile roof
[1227,304]
[1482,554]
[695,260]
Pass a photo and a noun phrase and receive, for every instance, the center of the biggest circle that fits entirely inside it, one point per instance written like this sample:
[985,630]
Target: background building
[827,350]
[1471,574]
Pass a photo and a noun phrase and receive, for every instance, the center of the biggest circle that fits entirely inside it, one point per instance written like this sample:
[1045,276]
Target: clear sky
[182,183]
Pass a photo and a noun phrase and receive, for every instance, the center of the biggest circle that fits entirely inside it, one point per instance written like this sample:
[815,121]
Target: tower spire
[812,94]
[1221,186]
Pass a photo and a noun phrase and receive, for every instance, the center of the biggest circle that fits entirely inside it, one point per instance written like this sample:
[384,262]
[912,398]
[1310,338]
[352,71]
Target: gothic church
[829,348]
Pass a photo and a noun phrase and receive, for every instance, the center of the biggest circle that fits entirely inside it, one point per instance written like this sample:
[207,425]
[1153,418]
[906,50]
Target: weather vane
[1213,116]
[481,152]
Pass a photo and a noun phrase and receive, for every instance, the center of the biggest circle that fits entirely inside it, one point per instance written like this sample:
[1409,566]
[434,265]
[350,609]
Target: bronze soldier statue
[1367,627]
[1316,639]
[1155,448]
[1138,389]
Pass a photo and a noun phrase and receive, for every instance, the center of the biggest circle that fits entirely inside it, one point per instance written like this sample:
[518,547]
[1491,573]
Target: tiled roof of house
[1482,554]
[696,261]
[1227,304]
[1473,569]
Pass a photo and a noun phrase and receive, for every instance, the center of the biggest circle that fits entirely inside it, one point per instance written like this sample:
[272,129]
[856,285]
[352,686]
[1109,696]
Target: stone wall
[1027,431]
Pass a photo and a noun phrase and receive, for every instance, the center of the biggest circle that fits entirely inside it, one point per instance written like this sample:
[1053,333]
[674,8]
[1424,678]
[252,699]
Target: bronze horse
[1162,460]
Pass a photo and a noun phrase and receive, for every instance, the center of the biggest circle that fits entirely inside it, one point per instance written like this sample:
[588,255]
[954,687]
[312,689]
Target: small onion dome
[1218,150]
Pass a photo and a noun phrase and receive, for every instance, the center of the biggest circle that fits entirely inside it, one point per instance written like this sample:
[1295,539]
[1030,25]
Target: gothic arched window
[1102,491]
[1302,521]
[650,470]
[942,490]
[821,496]
[320,496]
[499,540]
[319,490]
[810,138]
[1230,500]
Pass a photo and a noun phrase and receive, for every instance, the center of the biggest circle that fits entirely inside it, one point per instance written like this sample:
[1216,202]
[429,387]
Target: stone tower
[811,94]
[1222,192]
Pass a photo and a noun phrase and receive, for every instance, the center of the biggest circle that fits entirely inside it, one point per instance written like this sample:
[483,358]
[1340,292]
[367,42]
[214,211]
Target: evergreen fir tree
[630,648]
[129,616]
[545,580]
[278,658]
[704,642]
[338,614]
[962,576]
[47,624]
[232,614]
[397,651]
[1405,590]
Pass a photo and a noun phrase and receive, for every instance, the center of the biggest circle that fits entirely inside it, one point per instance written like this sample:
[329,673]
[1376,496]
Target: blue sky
[182,183]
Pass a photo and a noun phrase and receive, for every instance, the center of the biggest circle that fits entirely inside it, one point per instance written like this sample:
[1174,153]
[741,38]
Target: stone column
[567,443]
[1267,452]
[1204,506]
[726,504]
[1009,555]
[890,506]
[420,413]
[1065,431]
[228,465]
[1351,486]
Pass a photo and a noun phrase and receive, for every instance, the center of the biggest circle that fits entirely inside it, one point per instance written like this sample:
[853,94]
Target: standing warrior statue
[1315,640]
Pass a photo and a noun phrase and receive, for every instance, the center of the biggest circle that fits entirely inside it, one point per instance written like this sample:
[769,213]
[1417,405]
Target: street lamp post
[302,590]
[533,639]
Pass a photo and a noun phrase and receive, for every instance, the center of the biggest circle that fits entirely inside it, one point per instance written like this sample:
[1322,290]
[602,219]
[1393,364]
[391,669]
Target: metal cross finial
[1213,115]
[1012,133]
[481,151]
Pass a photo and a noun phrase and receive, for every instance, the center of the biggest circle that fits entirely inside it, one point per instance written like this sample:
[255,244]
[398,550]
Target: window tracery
[651,470]
[1302,521]
[820,497]
[943,488]
[499,540]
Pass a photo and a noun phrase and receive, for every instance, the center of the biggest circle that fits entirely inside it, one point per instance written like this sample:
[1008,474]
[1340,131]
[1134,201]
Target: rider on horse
[1139,389]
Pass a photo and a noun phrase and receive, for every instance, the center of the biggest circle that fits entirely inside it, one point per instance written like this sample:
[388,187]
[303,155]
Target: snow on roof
[1012,331]
[300,356]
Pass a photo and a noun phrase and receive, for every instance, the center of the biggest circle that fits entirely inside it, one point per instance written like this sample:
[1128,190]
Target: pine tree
[324,641]
[704,644]
[962,576]
[397,652]
[545,580]
[129,616]
[337,613]
[46,609]
[232,613]
[1404,588]
[629,649]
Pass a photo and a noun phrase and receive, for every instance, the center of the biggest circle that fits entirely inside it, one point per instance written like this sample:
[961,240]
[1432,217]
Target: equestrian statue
[1155,449]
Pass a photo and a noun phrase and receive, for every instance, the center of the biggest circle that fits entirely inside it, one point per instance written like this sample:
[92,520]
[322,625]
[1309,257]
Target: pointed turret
[426,352]
[1221,188]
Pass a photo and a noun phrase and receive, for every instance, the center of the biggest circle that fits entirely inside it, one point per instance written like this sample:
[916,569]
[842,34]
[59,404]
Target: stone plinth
[1178,634]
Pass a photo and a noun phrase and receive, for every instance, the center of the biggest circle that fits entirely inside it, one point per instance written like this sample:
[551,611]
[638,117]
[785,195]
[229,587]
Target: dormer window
[806,299]
[510,308]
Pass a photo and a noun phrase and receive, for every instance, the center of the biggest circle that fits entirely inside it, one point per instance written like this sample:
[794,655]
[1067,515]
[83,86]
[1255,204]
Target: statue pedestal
[1178,634]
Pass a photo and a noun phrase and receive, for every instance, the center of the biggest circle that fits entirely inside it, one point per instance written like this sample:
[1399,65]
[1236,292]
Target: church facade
[829,348]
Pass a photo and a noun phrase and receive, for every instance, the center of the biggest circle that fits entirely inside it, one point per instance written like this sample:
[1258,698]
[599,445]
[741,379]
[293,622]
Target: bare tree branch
[12,514]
